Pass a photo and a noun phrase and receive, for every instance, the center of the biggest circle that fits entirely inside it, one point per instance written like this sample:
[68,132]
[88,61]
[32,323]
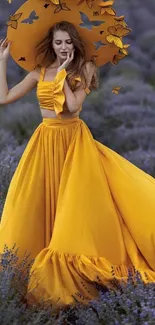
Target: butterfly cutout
[13,20]
[89,23]
[31,18]
[116,90]
[22,59]
[88,2]
[98,44]
[61,6]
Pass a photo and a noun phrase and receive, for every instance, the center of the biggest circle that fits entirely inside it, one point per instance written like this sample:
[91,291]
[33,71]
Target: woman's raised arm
[18,91]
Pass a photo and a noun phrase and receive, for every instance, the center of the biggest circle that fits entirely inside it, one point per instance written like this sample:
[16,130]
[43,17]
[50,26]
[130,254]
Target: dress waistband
[57,121]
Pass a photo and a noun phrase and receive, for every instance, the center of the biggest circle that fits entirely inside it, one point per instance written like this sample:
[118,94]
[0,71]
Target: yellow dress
[85,213]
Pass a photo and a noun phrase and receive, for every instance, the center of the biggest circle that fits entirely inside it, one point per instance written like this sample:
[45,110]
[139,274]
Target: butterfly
[119,30]
[89,23]
[13,20]
[98,44]
[9,1]
[31,18]
[118,57]
[116,90]
[116,32]
[61,6]
[105,8]
[116,40]
[89,3]
[124,49]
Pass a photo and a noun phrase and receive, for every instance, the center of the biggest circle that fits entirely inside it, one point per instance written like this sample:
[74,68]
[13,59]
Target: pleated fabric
[85,213]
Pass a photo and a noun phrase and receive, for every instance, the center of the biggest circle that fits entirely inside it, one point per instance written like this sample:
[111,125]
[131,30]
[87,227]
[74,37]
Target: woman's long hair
[77,66]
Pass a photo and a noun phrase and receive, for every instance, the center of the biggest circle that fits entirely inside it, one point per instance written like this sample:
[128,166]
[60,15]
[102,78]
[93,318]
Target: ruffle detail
[63,278]
[59,96]
[50,93]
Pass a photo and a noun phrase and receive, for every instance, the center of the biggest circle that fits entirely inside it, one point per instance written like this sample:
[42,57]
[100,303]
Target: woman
[85,213]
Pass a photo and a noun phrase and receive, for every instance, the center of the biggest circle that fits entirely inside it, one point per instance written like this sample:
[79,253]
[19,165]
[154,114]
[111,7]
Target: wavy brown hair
[77,66]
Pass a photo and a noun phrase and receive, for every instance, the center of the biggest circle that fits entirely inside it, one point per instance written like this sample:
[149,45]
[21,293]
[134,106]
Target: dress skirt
[85,213]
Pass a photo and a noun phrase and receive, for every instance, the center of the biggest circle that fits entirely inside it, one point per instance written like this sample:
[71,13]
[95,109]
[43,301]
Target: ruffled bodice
[50,94]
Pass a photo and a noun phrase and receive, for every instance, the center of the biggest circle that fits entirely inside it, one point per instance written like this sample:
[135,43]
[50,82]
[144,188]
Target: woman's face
[62,44]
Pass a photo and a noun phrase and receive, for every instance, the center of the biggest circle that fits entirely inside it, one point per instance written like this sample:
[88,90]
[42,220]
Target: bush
[131,303]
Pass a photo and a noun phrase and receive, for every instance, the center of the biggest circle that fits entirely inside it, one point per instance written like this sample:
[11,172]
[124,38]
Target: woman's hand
[66,63]
[4,49]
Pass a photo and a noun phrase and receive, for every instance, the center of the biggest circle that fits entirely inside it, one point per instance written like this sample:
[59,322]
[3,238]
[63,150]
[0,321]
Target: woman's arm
[3,81]
[18,91]
[74,100]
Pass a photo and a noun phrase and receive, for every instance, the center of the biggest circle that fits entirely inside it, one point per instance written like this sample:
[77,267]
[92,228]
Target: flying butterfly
[89,23]
[31,18]
[61,6]
[116,90]
[88,2]
[13,20]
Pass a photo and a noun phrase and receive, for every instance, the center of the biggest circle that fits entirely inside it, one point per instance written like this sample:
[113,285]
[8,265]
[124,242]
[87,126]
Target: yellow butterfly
[124,49]
[116,90]
[121,21]
[106,4]
[13,20]
[116,40]
[105,8]
[9,1]
[109,11]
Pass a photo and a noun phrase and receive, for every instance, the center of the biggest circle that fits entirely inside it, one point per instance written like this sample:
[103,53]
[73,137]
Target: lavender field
[123,122]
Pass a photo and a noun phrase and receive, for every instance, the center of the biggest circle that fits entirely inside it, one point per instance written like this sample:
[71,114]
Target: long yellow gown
[85,213]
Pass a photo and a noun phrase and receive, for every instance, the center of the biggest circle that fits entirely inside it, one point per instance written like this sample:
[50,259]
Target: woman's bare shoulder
[35,73]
